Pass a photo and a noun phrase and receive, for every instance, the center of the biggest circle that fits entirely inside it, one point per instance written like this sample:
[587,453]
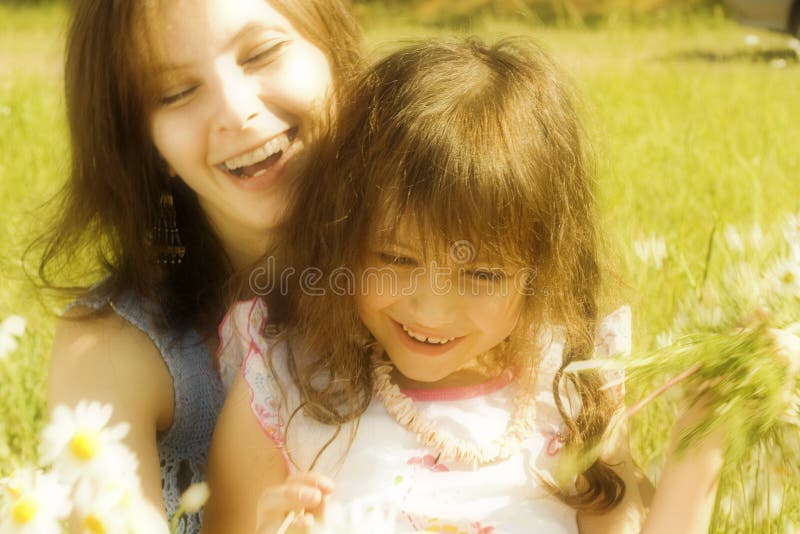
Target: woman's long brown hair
[107,207]
[471,142]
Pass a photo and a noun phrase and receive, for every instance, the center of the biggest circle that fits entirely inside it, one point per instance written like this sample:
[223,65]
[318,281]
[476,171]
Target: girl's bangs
[462,197]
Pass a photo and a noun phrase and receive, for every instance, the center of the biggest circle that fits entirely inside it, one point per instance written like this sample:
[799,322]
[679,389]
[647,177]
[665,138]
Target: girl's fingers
[321,482]
[290,496]
[301,495]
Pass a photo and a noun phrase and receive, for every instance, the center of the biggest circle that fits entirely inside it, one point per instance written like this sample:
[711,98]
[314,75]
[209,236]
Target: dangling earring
[166,237]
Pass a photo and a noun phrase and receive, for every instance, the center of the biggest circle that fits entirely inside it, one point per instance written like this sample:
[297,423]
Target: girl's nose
[239,101]
[434,303]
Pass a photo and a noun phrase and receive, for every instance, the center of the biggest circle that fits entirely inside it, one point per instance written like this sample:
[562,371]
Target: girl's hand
[303,495]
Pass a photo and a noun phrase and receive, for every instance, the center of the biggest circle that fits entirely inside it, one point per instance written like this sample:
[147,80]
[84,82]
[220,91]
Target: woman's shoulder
[98,355]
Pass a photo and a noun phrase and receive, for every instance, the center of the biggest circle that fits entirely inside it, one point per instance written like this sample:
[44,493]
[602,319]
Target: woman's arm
[108,360]
[251,489]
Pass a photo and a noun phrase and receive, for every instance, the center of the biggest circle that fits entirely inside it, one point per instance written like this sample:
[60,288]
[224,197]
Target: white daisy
[195,497]
[119,476]
[651,249]
[37,503]
[11,329]
[734,239]
[785,277]
[788,347]
[752,40]
[756,236]
[146,518]
[665,339]
[110,510]
[78,445]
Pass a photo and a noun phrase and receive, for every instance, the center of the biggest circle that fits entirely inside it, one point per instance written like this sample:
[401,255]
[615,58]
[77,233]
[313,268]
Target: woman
[190,120]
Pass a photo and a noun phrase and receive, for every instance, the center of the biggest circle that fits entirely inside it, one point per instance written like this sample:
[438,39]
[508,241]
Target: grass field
[695,126]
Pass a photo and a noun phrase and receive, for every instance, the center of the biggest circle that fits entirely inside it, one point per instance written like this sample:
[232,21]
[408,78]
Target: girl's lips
[421,347]
[271,175]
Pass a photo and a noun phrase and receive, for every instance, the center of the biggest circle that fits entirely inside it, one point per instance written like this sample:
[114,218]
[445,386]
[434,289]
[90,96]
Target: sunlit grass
[33,162]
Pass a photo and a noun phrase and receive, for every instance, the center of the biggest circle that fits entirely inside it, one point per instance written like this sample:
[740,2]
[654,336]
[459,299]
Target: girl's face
[240,91]
[435,320]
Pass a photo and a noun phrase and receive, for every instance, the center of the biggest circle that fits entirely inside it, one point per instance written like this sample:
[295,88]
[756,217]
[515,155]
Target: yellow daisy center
[24,510]
[94,524]
[788,278]
[85,444]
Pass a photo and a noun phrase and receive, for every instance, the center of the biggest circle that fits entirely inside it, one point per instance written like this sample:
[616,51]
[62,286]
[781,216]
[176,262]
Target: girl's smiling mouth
[258,161]
[426,339]
[423,343]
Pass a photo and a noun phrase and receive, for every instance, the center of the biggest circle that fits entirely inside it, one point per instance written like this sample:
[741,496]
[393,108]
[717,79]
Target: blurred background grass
[694,122]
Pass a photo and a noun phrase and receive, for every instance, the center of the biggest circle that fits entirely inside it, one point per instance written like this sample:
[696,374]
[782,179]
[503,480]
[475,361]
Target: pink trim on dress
[461,392]
[256,305]
[223,324]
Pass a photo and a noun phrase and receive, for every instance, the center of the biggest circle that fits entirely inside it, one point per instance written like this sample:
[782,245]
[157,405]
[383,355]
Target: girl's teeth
[271,147]
[426,339]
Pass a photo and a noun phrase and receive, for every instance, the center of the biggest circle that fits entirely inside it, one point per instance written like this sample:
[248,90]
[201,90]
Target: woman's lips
[267,172]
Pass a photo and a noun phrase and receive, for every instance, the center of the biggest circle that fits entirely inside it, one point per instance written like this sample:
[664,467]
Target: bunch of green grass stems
[728,352]
[749,392]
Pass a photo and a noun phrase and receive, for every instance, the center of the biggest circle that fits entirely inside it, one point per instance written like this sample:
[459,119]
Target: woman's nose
[239,101]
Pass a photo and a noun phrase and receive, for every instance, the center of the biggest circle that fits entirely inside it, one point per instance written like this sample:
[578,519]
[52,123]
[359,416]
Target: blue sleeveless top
[198,393]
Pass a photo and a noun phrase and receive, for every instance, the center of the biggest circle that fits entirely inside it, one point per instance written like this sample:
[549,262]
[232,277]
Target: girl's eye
[394,259]
[488,275]
[177,96]
[265,53]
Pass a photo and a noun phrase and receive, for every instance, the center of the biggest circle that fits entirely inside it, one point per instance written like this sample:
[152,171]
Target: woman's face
[240,91]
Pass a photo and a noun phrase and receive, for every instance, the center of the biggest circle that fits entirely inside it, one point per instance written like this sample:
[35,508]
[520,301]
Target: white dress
[386,468]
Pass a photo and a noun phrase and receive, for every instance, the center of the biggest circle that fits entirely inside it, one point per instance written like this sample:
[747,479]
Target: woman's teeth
[274,146]
[426,339]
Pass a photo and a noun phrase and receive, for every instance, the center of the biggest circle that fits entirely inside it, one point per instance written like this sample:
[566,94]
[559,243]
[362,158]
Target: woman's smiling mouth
[258,161]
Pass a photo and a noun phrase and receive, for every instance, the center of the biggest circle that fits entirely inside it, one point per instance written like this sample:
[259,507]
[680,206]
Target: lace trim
[243,349]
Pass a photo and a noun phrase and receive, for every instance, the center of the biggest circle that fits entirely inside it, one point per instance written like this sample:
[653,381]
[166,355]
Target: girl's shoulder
[241,336]
[259,362]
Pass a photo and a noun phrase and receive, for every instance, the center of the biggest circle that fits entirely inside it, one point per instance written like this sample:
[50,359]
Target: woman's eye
[397,260]
[265,54]
[177,96]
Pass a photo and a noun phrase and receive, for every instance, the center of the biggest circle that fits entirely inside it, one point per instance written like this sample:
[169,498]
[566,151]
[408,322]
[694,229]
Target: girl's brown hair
[472,142]
[109,204]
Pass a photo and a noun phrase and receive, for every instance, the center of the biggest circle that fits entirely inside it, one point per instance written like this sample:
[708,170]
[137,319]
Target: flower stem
[655,394]
[176,520]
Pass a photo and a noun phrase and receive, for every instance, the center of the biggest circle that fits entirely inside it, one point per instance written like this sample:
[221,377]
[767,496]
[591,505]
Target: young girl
[189,123]
[446,271]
